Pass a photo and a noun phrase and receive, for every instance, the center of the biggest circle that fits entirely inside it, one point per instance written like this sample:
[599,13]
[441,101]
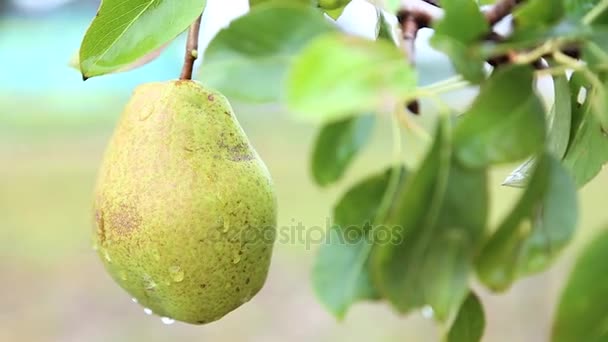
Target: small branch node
[191,50]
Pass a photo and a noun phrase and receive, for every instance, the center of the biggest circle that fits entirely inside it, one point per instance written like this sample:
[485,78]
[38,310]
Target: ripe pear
[185,209]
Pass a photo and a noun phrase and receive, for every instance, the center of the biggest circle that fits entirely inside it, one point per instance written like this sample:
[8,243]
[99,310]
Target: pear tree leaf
[392,5]
[558,137]
[249,59]
[385,28]
[458,35]
[520,177]
[506,122]
[341,275]
[560,118]
[432,264]
[540,225]
[588,149]
[75,60]
[337,75]
[333,8]
[253,3]
[123,32]
[336,146]
[470,322]
[538,14]
[578,8]
[582,310]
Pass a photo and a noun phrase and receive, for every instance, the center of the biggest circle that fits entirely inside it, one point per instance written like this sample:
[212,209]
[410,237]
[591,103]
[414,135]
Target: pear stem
[191,49]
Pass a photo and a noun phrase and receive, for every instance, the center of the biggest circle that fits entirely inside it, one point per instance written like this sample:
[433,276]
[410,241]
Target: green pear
[185,209]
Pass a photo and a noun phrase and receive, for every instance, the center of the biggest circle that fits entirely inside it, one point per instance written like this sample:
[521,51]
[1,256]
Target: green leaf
[560,117]
[538,13]
[565,30]
[459,33]
[333,8]
[432,264]
[558,137]
[506,122]
[341,273]
[249,59]
[336,146]
[578,8]
[595,48]
[535,231]
[392,6]
[582,311]
[520,177]
[470,322]
[588,150]
[126,31]
[337,75]
[384,27]
[253,3]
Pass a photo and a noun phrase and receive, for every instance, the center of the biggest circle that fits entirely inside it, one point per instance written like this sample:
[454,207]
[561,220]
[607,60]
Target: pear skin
[185,209]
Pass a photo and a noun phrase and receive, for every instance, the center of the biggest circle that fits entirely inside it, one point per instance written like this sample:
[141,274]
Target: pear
[185,209]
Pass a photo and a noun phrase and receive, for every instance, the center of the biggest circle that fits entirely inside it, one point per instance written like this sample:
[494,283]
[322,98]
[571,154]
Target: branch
[409,28]
[191,50]
[424,8]
[433,2]
[499,11]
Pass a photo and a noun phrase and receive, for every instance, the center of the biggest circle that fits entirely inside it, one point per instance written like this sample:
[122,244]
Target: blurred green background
[53,129]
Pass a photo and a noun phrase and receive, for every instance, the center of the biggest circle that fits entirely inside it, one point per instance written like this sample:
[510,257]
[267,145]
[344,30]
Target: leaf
[578,8]
[506,122]
[458,35]
[432,264]
[75,60]
[520,177]
[565,30]
[540,225]
[341,272]
[337,75]
[560,118]
[558,136]
[538,13]
[125,31]
[333,8]
[392,6]
[385,28]
[249,59]
[588,150]
[253,3]
[470,322]
[336,146]
[582,311]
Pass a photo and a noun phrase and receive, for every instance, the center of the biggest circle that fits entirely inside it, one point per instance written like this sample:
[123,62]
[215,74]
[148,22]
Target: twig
[409,28]
[595,12]
[433,2]
[191,50]
[413,16]
[428,9]
[499,11]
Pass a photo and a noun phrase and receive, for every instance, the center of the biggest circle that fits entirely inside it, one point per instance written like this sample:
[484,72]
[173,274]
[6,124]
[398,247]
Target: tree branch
[191,50]
[433,2]
[423,8]
[409,28]
[500,10]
